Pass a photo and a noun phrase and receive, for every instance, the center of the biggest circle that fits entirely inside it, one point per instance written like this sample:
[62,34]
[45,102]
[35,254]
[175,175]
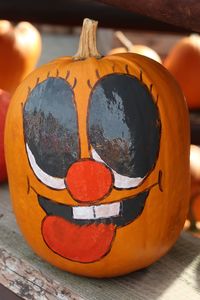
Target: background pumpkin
[183,61]
[20,49]
[130,47]
[128,224]
[194,212]
[4,102]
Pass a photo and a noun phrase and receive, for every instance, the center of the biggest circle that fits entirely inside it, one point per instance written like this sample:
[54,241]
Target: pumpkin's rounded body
[19,52]
[97,153]
[183,62]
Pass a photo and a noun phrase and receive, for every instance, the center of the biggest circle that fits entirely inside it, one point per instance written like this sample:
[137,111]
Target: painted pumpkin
[20,49]
[97,150]
[130,47]
[183,62]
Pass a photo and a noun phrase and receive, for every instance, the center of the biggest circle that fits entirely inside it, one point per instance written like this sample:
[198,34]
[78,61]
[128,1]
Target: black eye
[124,125]
[50,126]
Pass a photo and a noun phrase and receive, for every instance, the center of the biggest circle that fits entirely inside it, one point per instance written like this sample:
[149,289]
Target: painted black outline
[127,70]
[74,84]
[141,76]
[159,120]
[97,74]
[57,73]
[157,97]
[28,185]
[89,147]
[76,261]
[79,142]
[67,75]
[148,189]
[160,174]
[89,84]
[37,81]
[29,91]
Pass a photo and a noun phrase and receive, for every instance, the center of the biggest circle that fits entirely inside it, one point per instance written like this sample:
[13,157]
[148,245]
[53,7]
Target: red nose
[88,180]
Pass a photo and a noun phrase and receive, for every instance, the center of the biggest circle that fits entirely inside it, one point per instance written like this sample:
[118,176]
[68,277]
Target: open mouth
[117,213]
[85,233]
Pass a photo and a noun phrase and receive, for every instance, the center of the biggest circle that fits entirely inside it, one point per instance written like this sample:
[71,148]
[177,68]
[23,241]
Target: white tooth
[107,210]
[96,212]
[83,213]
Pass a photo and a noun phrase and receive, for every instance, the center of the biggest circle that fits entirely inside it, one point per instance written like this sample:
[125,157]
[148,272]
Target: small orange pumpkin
[183,61]
[194,213]
[20,49]
[130,47]
[98,174]
[4,103]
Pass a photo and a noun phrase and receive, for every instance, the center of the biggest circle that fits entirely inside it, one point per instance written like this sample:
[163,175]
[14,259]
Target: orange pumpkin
[4,102]
[20,49]
[98,161]
[194,213]
[130,47]
[183,61]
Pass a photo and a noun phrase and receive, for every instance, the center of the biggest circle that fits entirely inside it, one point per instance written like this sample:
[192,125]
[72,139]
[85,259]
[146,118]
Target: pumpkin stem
[87,44]
[124,40]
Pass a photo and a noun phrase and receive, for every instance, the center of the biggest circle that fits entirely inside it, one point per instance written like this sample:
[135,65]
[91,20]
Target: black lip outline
[130,209]
[139,204]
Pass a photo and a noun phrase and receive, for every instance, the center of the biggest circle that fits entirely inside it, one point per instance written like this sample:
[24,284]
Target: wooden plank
[72,12]
[183,13]
[28,282]
[176,275]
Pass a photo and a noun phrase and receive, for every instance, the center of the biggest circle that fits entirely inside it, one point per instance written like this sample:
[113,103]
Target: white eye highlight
[56,183]
[120,181]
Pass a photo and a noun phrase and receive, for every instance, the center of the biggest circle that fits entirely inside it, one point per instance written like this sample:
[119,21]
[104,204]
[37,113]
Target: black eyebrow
[75,82]
[97,74]
[89,83]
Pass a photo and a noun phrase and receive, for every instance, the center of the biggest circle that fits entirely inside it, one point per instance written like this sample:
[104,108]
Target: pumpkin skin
[4,103]
[183,61]
[19,52]
[87,222]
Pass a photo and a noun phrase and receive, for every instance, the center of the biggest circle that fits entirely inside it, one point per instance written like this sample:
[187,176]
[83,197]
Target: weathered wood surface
[183,13]
[175,276]
[72,12]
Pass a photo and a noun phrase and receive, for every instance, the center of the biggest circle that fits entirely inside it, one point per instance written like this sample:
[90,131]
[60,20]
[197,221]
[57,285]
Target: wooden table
[175,276]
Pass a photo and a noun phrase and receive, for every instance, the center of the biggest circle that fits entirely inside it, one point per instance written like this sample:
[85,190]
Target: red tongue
[87,243]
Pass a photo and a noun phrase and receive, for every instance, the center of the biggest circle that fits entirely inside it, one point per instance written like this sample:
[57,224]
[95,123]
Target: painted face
[97,153]
[106,183]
